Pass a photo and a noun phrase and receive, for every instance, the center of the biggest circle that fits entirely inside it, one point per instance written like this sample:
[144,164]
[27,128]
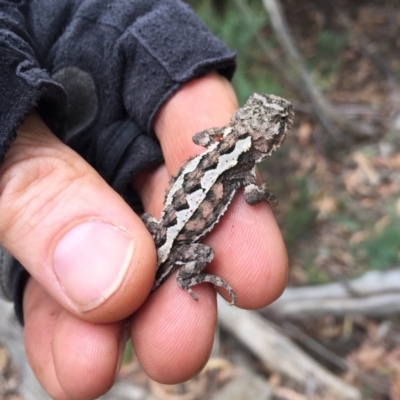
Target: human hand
[73,233]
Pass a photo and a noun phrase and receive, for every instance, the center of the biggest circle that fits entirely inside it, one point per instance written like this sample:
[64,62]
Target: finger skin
[173,335]
[41,313]
[71,358]
[46,189]
[249,251]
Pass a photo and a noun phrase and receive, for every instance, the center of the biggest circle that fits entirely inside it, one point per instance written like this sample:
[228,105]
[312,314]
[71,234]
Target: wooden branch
[371,380]
[333,122]
[279,353]
[378,295]
[273,59]
[375,306]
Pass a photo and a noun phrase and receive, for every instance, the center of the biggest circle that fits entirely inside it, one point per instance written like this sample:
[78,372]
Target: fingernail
[90,262]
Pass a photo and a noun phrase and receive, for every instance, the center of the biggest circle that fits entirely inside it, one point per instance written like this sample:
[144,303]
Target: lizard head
[266,117]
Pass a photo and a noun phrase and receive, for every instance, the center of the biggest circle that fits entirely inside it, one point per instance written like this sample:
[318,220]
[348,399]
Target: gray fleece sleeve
[98,71]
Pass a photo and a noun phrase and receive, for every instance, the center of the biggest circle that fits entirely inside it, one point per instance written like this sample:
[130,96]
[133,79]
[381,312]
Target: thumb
[70,230]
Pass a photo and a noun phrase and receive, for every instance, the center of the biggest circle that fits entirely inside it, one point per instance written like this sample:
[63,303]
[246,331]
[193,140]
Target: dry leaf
[305,131]
[191,390]
[359,237]
[369,357]
[366,166]
[4,359]
[326,205]
[217,363]
[275,379]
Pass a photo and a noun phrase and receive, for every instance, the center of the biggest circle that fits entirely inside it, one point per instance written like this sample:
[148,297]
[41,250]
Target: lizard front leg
[194,258]
[253,193]
[207,137]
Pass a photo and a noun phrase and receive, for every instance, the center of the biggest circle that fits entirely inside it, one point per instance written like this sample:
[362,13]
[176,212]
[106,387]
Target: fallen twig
[374,382]
[378,295]
[332,121]
[279,353]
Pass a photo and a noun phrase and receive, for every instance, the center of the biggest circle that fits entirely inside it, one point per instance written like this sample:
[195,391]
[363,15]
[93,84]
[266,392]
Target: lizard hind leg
[208,278]
[254,194]
[195,258]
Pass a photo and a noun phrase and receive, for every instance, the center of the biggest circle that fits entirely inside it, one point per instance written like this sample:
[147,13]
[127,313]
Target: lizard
[201,191]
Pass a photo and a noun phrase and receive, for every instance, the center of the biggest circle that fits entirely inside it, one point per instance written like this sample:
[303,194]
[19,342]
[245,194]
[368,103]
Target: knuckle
[30,190]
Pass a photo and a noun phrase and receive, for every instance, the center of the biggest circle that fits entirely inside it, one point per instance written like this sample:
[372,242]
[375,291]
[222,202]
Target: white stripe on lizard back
[225,162]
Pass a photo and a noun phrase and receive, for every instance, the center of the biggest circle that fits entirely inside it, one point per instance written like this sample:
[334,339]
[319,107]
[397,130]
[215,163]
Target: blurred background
[337,177]
[335,333]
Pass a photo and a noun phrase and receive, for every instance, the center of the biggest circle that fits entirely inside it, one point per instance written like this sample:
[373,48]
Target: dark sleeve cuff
[136,54]
[172,47]
[24,86]
[19,278]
